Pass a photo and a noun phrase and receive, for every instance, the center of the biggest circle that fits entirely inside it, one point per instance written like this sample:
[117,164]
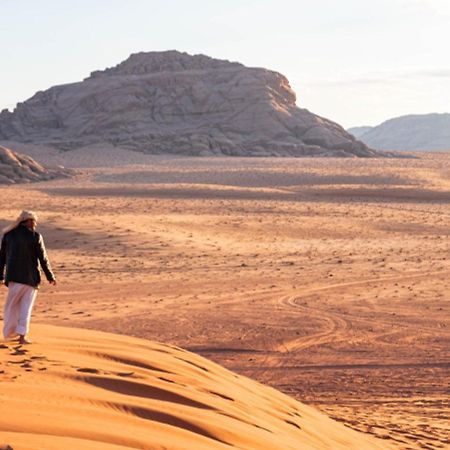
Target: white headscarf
[24,215]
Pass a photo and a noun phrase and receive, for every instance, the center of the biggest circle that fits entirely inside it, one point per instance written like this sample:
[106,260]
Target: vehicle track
[336,324]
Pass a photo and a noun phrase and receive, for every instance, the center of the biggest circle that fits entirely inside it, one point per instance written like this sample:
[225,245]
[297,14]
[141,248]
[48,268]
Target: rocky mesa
[175,103]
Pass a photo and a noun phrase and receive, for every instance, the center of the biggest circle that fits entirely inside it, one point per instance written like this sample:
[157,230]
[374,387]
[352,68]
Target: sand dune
[83,389]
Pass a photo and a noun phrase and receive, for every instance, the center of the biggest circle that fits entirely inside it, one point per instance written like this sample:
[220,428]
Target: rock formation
[172,102]
[412,132]
[17,168]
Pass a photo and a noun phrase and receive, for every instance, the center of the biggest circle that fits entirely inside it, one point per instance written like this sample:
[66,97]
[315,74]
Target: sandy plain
[327,279]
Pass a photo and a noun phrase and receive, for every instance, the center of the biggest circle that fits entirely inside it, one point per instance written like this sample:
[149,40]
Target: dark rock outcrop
[172,102]
[17,168]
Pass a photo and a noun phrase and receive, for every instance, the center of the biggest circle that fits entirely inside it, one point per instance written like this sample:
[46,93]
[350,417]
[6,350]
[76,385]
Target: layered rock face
[172,102]
[16,168]
[412,132]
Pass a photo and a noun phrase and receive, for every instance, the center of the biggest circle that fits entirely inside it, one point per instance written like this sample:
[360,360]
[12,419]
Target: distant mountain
[172,102]
[359,131]
[412,132]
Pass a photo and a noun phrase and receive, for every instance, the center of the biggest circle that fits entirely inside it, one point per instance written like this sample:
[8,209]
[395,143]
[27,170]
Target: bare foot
[23,340]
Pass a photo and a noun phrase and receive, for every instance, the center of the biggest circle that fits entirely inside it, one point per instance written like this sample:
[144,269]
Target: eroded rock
[18,168]
[172,102]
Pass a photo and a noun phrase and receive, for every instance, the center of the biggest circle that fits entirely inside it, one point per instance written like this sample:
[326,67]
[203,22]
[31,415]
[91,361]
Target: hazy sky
[357,62]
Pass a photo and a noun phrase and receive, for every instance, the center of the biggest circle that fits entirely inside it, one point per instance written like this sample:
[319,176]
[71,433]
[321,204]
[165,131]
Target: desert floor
[325,278]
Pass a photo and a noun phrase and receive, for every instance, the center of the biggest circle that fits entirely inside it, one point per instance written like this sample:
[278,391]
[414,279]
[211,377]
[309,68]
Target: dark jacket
[20,252]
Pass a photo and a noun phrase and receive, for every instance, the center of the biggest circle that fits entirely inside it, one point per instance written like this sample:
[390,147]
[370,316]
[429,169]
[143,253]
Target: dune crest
[83,389]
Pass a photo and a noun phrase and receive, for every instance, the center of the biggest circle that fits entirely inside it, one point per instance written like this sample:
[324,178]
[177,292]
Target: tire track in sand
[335,324]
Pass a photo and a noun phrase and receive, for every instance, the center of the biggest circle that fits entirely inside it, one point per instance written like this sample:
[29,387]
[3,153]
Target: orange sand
[82,389]
[326,279]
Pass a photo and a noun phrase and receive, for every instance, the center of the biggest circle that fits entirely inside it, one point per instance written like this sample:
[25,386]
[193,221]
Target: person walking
[22,250]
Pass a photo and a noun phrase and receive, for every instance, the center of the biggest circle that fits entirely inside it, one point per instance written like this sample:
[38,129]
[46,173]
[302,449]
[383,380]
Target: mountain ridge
[413,132]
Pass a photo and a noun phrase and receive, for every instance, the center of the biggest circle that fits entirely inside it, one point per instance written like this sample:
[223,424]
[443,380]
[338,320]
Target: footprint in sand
[125,374]
[19,351]
[87,370]
[290,422]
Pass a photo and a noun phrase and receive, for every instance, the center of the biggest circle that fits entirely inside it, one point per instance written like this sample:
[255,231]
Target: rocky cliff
[17,168]
[412,132]
[172,102]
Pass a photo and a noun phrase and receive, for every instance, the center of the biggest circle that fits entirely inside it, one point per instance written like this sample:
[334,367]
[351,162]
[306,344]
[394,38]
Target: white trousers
[18,307]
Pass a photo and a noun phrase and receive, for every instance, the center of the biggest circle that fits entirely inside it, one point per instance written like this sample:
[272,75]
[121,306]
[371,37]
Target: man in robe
[22,250]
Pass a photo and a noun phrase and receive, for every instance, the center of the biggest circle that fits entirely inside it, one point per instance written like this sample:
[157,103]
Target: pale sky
[357,62]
